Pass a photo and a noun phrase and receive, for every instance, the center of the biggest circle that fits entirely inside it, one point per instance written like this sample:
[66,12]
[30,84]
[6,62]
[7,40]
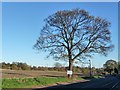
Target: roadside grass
[80,78]
[93,77]
[30,82]
[38,81]
[97,76]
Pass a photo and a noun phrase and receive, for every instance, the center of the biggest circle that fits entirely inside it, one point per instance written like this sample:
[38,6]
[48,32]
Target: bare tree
[74,34]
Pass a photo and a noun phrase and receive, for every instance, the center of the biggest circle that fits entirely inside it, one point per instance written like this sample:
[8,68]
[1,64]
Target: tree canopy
[111,66]
[74,34]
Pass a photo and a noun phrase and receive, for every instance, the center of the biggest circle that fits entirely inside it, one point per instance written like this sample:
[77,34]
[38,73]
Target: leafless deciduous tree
[74,34]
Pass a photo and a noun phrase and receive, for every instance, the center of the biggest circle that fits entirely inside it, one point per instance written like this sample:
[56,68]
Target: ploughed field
[32,73]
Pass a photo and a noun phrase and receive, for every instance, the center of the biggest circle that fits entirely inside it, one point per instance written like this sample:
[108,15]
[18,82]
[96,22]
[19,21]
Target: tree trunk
[110,72]
[70,67]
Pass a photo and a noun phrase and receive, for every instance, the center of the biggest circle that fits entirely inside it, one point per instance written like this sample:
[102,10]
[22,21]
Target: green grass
[79,78]
[97,76]
[30,82]
[93,77]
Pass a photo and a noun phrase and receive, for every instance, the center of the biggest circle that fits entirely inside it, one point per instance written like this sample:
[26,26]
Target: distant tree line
[24,66]
[57,67]
[15,66]
[110,66]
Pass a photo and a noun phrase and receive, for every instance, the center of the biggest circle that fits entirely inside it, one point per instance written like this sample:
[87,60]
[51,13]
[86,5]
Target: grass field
[26,79]
[29,79]
[31,82]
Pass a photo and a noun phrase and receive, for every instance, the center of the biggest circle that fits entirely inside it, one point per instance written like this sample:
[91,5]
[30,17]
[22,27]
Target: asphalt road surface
[107,83]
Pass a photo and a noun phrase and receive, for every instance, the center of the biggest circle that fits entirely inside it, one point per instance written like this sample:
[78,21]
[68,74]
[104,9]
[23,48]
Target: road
[107,83]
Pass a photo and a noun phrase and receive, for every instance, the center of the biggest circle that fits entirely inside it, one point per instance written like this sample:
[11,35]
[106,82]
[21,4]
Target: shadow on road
[90,84]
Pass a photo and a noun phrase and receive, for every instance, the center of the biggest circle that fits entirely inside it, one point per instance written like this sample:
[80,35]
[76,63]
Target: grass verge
[30,82]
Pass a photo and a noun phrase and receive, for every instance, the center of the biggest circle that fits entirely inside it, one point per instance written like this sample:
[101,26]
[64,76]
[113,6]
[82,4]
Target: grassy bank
[30,82]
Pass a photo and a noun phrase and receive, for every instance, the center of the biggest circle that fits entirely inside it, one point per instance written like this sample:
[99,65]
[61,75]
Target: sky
[60,0]
[22,22]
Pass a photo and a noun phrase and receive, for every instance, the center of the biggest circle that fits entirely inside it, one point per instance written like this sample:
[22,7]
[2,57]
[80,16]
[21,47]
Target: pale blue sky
[22,22]
[60,1]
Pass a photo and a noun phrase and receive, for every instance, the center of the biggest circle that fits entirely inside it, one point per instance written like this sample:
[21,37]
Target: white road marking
[107,84]
[116,84]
